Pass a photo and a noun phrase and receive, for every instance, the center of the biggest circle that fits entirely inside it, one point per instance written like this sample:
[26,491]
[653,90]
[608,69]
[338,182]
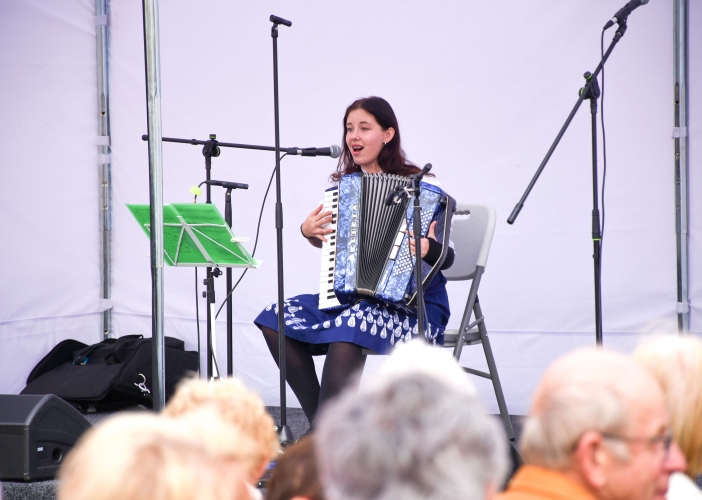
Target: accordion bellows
[370,247]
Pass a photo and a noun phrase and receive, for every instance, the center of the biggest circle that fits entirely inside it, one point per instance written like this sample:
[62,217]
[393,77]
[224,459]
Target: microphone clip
[397,195]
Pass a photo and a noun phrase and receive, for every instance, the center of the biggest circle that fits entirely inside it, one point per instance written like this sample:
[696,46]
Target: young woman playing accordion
[371,145]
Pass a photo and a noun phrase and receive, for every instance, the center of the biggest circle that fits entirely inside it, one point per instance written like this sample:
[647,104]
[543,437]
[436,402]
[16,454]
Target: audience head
[676,362]
[147,457]
[295,475]
[237,406]
[600,418]
[410,435]
[418,357]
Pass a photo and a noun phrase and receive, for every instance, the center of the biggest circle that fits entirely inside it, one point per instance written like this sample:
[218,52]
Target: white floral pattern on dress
[376,318]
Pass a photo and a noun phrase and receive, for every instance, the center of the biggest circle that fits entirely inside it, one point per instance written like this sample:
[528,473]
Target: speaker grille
[15,409]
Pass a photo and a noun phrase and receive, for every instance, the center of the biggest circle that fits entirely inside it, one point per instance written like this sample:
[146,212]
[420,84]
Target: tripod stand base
[285,436]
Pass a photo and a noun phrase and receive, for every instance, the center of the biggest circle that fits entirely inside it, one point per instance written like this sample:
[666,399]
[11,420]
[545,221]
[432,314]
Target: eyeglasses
[666,440]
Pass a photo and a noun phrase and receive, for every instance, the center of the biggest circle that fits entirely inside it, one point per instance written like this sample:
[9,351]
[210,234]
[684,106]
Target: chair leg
[472,297]
[492,369]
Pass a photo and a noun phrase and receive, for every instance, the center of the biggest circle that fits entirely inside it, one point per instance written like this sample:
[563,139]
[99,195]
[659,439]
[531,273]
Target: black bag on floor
[114,374]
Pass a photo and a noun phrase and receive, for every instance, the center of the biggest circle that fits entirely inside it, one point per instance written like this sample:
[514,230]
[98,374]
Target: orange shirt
[536,483]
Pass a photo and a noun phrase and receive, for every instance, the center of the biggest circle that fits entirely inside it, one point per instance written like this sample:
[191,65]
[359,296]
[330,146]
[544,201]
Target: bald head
[585,390]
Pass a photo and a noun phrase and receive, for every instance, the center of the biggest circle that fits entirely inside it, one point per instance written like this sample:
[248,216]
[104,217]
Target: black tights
[343,361]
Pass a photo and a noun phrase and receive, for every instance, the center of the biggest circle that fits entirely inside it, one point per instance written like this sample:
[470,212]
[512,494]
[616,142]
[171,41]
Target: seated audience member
[439,363]
[148,457]
[238,406]
[295,475]
[598,429]
[676,362]
[411,433]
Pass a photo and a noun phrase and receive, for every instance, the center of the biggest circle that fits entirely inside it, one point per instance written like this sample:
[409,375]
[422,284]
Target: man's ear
[592,460]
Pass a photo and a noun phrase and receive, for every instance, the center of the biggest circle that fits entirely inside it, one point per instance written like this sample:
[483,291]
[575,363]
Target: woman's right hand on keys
[313,225]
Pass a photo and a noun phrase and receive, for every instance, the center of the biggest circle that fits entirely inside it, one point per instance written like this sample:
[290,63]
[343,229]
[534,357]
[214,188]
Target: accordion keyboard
[327,298]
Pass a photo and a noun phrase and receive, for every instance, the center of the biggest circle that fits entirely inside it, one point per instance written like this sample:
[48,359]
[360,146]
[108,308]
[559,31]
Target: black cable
[604,142]
[253,253]
[197,322]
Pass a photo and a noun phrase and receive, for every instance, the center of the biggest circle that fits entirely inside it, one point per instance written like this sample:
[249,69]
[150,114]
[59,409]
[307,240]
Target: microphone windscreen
[335,151]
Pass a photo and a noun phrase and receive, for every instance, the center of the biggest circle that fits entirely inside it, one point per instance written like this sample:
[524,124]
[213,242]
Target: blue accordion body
[395,283]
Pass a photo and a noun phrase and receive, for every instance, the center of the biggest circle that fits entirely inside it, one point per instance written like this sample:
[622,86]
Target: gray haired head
[414,437]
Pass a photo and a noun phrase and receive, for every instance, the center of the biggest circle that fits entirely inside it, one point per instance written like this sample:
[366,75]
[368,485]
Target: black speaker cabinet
[36,433]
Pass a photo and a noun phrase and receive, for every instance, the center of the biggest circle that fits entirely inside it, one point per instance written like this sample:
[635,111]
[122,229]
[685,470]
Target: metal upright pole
[279,234]
[593,95]
[285,435]
[230,312]
[103,141]
[153,113]
[680,134]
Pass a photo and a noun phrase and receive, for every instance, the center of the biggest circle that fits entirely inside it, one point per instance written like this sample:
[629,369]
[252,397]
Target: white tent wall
[480,91]
[49,257]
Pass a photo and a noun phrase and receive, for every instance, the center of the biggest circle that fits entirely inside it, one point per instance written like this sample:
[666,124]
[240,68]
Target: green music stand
[198,236]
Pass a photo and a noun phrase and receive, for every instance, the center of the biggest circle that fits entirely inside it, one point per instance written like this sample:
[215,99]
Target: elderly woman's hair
[676,361]
[237,405]
[413,437]
[147,457]
[586,390]
[420,357]
[296,474]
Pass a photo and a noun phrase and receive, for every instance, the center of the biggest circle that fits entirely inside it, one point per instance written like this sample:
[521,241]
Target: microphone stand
[211,148]
[590,91]
[230,312]
[284,433]
[417,230]
[197,142]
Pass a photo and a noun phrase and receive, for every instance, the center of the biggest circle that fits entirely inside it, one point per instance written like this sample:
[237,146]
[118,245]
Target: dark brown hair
[296,474]
[391,158]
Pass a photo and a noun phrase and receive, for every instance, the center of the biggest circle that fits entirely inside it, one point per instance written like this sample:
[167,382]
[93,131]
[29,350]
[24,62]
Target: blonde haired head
[236,405]
[676,362]
[146,457]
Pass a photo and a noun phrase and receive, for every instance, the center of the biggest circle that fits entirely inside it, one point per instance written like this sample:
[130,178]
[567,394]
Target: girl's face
[365,138]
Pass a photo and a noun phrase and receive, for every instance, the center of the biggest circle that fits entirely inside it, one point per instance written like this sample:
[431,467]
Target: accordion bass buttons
[327,298]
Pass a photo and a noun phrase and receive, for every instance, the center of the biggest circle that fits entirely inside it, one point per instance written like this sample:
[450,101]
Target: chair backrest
[472,237]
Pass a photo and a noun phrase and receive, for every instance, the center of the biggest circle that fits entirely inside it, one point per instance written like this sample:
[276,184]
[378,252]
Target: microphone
[228,185]
[623,13]
[279,20]
[334,151]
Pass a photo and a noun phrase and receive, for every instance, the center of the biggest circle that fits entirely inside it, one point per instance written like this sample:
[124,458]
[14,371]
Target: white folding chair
[472,237]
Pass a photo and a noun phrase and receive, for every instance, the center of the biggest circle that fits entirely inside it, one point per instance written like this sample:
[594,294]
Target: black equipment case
[114,374]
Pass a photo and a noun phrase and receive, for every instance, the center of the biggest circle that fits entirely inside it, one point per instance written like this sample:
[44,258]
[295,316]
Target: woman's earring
[385,144]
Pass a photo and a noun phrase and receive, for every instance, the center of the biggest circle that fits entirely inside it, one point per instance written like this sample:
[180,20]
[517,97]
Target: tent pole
[104,167]
[680,136]
[153,113]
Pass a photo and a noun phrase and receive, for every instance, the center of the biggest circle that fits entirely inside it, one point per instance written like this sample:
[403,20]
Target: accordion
[368,254]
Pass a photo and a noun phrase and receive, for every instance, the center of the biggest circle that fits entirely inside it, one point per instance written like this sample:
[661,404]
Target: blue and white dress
[367,323]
